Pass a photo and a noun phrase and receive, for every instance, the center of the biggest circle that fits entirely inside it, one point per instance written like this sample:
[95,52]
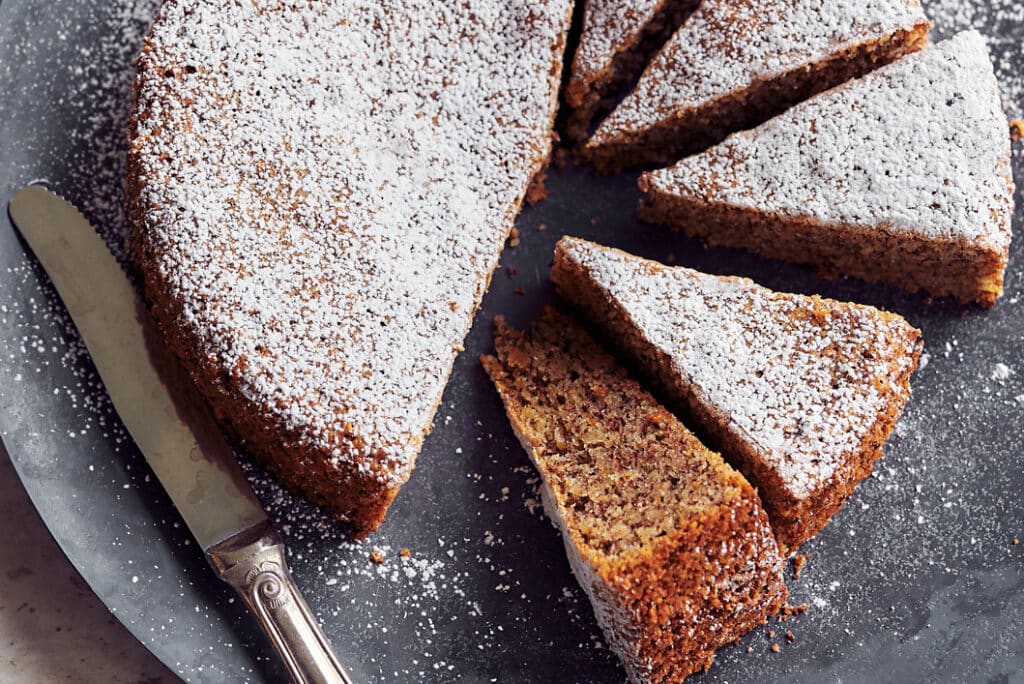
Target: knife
[169,422]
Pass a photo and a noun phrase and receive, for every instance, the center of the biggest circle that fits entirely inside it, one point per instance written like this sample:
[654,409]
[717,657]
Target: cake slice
[617,39]
[669,542]
[735,63]
[799,393]
[903,177]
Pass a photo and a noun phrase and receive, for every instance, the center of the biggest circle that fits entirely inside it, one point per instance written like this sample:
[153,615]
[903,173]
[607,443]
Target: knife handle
[253,563]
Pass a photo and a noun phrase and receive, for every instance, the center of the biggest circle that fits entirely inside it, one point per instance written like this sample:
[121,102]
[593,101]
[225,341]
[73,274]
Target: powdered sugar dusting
[327,188]
[920,145]
[727,45]
[803,390]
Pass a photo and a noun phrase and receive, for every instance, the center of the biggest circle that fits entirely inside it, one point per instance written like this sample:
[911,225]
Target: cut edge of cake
[796,513]
[654,600]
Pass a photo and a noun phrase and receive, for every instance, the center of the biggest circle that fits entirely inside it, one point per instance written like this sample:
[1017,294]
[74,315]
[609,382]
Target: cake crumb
[775,648]
[790,637]
[405,553]
[799,561]
[1016,541]
[377,556]
[538,191]
[1017,130]
[513,237]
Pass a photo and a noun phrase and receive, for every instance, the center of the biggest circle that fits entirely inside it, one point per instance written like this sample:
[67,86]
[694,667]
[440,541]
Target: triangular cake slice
[616,40]
[735,63]
[902,177]
[320,193]
[800,393]
[670,543]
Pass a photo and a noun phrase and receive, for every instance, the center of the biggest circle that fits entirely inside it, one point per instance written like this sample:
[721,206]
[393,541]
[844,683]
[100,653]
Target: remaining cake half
[669,542]
[902,177]
[800,393]
[320,192]
[735,63]
[616,40]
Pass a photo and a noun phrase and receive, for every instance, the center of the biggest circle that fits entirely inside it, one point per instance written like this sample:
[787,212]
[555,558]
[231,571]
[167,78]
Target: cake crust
[670,544]
[296,223]
[799,393]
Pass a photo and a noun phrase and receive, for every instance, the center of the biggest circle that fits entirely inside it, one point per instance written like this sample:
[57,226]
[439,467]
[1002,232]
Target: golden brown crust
[971,272]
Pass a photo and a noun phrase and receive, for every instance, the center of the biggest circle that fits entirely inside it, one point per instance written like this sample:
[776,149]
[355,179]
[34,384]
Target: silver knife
[167,418]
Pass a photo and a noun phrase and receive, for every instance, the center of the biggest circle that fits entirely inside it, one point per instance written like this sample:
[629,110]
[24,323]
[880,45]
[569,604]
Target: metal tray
[917,579]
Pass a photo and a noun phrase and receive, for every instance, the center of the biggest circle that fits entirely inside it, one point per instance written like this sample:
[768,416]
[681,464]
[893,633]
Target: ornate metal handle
[253,563]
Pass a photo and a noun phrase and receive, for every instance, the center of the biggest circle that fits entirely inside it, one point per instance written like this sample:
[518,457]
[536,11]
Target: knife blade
[168,420]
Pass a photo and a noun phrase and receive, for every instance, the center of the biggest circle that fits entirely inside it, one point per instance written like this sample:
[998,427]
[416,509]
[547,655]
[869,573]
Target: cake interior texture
[601,74]
[799,393]
[669,542]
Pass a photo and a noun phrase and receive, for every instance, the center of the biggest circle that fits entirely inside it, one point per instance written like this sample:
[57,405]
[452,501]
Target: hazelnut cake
[320,192]
[617,38]
[735,63]
[669,542]
[902,177]
[799,393]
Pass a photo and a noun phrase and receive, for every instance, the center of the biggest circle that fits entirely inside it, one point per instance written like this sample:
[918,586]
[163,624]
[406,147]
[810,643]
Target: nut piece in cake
[736,63]
[799,393]
[669,542]
[902,177]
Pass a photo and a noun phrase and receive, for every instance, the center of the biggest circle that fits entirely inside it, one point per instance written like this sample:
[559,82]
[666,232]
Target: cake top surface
[326,187]
[919,146]
[623,471]
[728,45]
[800,379]
[608,27]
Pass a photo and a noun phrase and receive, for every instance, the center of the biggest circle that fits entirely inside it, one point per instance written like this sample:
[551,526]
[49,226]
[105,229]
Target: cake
[735,63]
[617,38]
[670,543]
[799,393]
[901,177]
[320,192]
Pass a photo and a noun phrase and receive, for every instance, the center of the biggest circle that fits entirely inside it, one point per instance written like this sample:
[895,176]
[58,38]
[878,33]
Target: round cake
[320,192]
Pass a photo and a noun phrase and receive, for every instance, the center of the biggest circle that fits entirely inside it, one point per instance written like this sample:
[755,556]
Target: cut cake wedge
[902,177]
[617,39]
[799,393]
[735,63]
[670,543]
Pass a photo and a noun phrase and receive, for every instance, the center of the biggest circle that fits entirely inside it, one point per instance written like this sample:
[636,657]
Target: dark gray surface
[916,580]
